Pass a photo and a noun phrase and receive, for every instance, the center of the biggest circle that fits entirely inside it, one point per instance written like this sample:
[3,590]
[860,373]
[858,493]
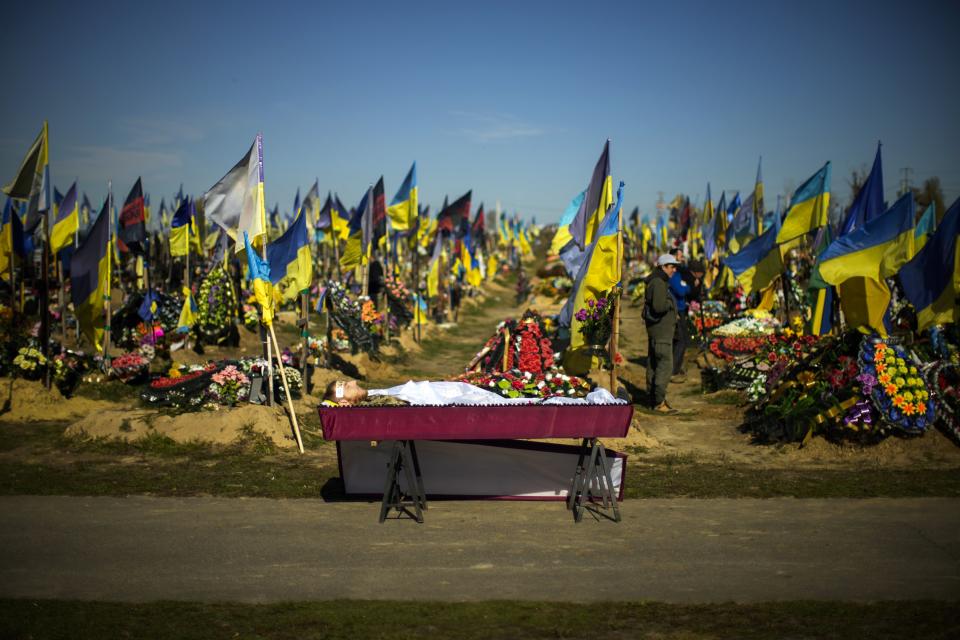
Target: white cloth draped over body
[463,393]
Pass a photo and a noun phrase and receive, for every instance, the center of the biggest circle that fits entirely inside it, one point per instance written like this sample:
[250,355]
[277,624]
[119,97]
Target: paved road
[258,550]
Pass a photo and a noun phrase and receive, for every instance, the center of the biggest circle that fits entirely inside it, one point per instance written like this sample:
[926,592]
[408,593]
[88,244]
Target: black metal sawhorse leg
[595,473]
[403,459]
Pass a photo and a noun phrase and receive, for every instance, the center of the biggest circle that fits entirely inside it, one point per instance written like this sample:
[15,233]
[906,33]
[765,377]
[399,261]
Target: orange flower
[920,408]
[898,401]
[881,367]
[879,346]
[883,378]
[908,409]
[891,389]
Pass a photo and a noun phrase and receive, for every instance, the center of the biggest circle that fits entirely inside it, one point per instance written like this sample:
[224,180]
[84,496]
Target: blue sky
[513,99]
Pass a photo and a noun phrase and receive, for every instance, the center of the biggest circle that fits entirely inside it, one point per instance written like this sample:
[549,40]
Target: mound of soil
[219,427]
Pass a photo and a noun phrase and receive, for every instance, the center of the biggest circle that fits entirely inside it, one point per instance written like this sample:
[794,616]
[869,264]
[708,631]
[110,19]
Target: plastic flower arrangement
[30,362]
[229,386]
[595,319]
[748,326]
[528,348]
[348,315]
[216,305]
[524,384]
[129,367]
[68,367]
[707,317]
[294,379]
[399,302]
[369,313]
[899,393]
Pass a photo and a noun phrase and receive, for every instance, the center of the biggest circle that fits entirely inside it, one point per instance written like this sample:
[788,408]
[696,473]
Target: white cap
[666,259]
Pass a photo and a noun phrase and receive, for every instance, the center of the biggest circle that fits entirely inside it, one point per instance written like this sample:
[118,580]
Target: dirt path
[255,550]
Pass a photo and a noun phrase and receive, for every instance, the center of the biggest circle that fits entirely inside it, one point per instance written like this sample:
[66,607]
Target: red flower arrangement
[166,383]
[527,348]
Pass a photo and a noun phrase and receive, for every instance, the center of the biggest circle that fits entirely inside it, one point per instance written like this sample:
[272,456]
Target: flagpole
[61,297]
[615,337]
[416,278]
[267,347]
[45,301]
[186,277]
[305,333]
[109,293]
[286,388]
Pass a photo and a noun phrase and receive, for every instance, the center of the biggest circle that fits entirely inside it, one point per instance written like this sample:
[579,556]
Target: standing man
[660,318]
[685,285]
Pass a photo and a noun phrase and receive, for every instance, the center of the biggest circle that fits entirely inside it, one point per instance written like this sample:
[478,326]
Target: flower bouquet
[182,388]
[399,302]
[294,379]
[519,345]
[30,363]
[894,385]
[524,384]
[596,322]
[129,367]
[747,326]
[228,387]
[216,306]
[359,326]
[708,316]
[68,369]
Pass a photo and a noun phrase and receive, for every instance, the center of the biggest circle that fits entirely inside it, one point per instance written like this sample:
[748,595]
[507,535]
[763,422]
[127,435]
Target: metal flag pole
[106,298]
[615,337]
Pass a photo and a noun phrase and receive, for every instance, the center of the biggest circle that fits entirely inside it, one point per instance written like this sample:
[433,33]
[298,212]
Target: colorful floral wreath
[894,385]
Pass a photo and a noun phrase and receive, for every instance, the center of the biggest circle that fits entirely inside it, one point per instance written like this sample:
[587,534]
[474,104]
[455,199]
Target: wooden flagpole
[304,332]
[286,388]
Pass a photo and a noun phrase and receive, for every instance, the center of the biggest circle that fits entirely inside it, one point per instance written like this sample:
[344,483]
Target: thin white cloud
[151,131]
[103,161]
[492,127]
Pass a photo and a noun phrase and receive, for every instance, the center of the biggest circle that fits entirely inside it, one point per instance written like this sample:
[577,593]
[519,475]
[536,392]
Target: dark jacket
[659,308]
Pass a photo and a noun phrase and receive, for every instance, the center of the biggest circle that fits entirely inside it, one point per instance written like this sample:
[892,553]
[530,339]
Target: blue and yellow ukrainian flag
[433,268]
[90,278]
[602,271]
[67,221]
[339,219]
[188,312]
[259,274]
[562,237]
[11,237]
[32,182]
[403,208]
[820,295]
[290,259]
[759,263]
[471,262]
[808,207]
[869,201]
[925,227]
[183,233]
[359,234]
[931,280]
[584,226]
[525,248]
[876,250]
[646,236]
